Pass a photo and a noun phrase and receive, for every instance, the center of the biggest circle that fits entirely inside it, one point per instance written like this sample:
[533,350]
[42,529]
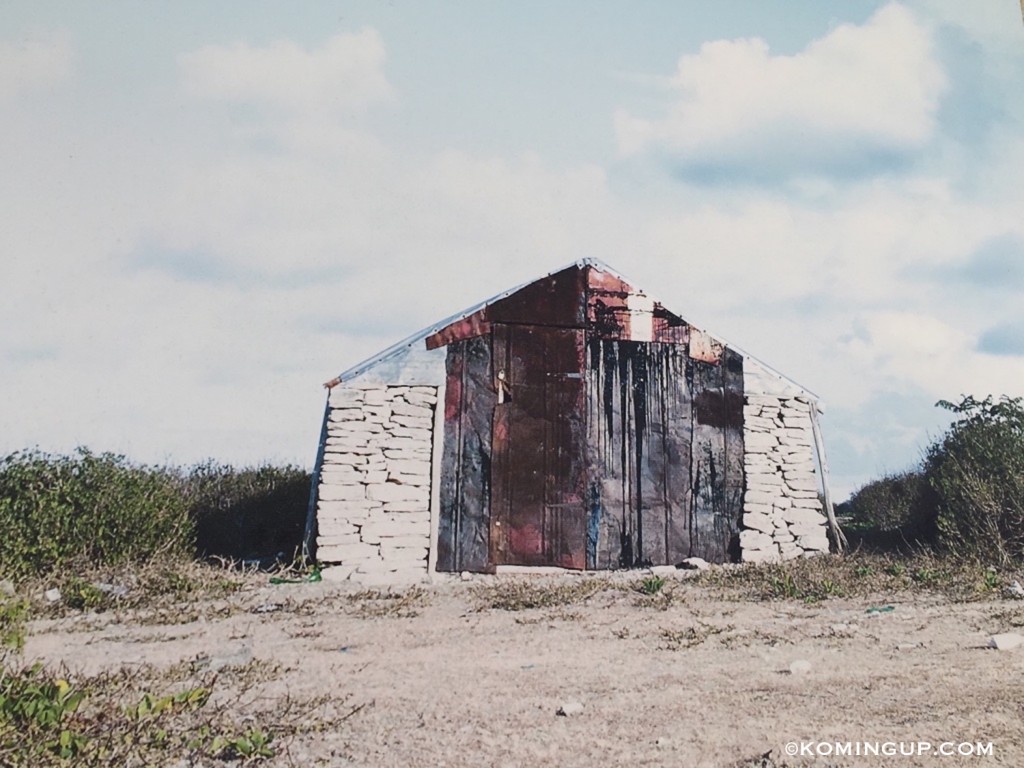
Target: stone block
[419,520]
[422,435]
[812,544]
[414,453]
[348,553]
[751,539]
[815,528]
[354,429]
[402,555]
[763,509]
[803,515]
[760,555]
[379,530]
[399,408]
[808,502]
[347,441]
[759,440]
[403,508]
[344,415]
[376,396]
[395,492]
[802,493]
[341,492]
[409,467]
[335,528]
[333,539]
[346,507]
[414,397]
[790,551]
[758,522]
[336,573]
[411,421]
[344,459]
[340,474]
[803,484]
[341,396]
[758,497]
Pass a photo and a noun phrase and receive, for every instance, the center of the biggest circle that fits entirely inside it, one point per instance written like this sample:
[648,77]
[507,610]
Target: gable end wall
[782,514]
[374,496]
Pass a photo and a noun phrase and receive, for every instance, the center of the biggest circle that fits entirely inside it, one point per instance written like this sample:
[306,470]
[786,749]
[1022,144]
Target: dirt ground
[693,676]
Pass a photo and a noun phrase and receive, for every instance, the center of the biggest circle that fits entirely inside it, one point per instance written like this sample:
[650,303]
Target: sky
[207,210]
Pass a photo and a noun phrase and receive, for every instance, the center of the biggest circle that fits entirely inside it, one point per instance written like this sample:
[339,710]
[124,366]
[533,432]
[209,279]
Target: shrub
[96,509]
[253,513]
[976,480]
[894,503]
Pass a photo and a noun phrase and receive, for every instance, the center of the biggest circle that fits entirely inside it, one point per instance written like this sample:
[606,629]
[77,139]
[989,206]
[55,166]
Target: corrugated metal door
[538,511]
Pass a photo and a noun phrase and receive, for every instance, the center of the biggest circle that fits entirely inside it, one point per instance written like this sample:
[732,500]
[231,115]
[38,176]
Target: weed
[690,637]
[524,594]
[374,603]
[990,580]
[651,585]
[13,615]
[49,719]
[896,569]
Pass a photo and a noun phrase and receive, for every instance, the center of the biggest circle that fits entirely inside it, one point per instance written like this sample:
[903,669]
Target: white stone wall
[782,515]
[373,501]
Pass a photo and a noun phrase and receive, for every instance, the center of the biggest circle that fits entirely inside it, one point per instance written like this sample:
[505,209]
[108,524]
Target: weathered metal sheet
[468,327]
[735,480]
[558,300]
[587,426]
[463,540]
[538,505]
[617,310]
[639,435]
[717,451]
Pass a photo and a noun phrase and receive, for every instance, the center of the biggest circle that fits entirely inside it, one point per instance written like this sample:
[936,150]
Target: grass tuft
[525,594]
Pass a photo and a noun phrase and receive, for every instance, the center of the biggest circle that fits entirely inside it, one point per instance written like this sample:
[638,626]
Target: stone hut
[571,422]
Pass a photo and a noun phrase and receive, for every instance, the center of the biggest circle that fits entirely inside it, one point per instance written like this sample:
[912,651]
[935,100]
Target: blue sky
[209,209]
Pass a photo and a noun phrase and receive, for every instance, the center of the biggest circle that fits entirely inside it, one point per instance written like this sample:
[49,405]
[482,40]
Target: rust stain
[469,327]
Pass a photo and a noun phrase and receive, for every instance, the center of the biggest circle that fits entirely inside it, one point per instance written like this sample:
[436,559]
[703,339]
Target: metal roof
[421,335]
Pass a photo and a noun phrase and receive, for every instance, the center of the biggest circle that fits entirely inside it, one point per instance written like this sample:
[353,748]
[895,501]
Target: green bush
[253,513]
[976,480]
[87,509]
[84,510]
[893,503]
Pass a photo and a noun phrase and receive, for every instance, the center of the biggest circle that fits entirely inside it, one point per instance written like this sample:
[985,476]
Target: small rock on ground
[695,564]
[1006,641]
[800,667]
[569,708]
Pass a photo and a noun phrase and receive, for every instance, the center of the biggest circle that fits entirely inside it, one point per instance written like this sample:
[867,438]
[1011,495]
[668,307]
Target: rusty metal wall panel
[558,300]
[464,524]
[717,452]
[468,327]
[639,434]
[735,479]
[539,514]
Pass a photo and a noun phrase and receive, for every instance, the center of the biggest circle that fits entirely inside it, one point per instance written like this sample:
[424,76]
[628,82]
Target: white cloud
[346,73]
[857,90]
[931,354]
[33,63]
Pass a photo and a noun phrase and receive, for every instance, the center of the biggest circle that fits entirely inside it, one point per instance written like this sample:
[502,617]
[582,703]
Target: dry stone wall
[373,500]
[782,515]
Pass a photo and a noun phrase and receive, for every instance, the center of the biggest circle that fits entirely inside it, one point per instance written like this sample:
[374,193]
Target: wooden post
[837,535]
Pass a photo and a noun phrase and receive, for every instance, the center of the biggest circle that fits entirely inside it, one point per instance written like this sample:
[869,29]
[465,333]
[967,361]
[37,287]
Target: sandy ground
[702,679]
